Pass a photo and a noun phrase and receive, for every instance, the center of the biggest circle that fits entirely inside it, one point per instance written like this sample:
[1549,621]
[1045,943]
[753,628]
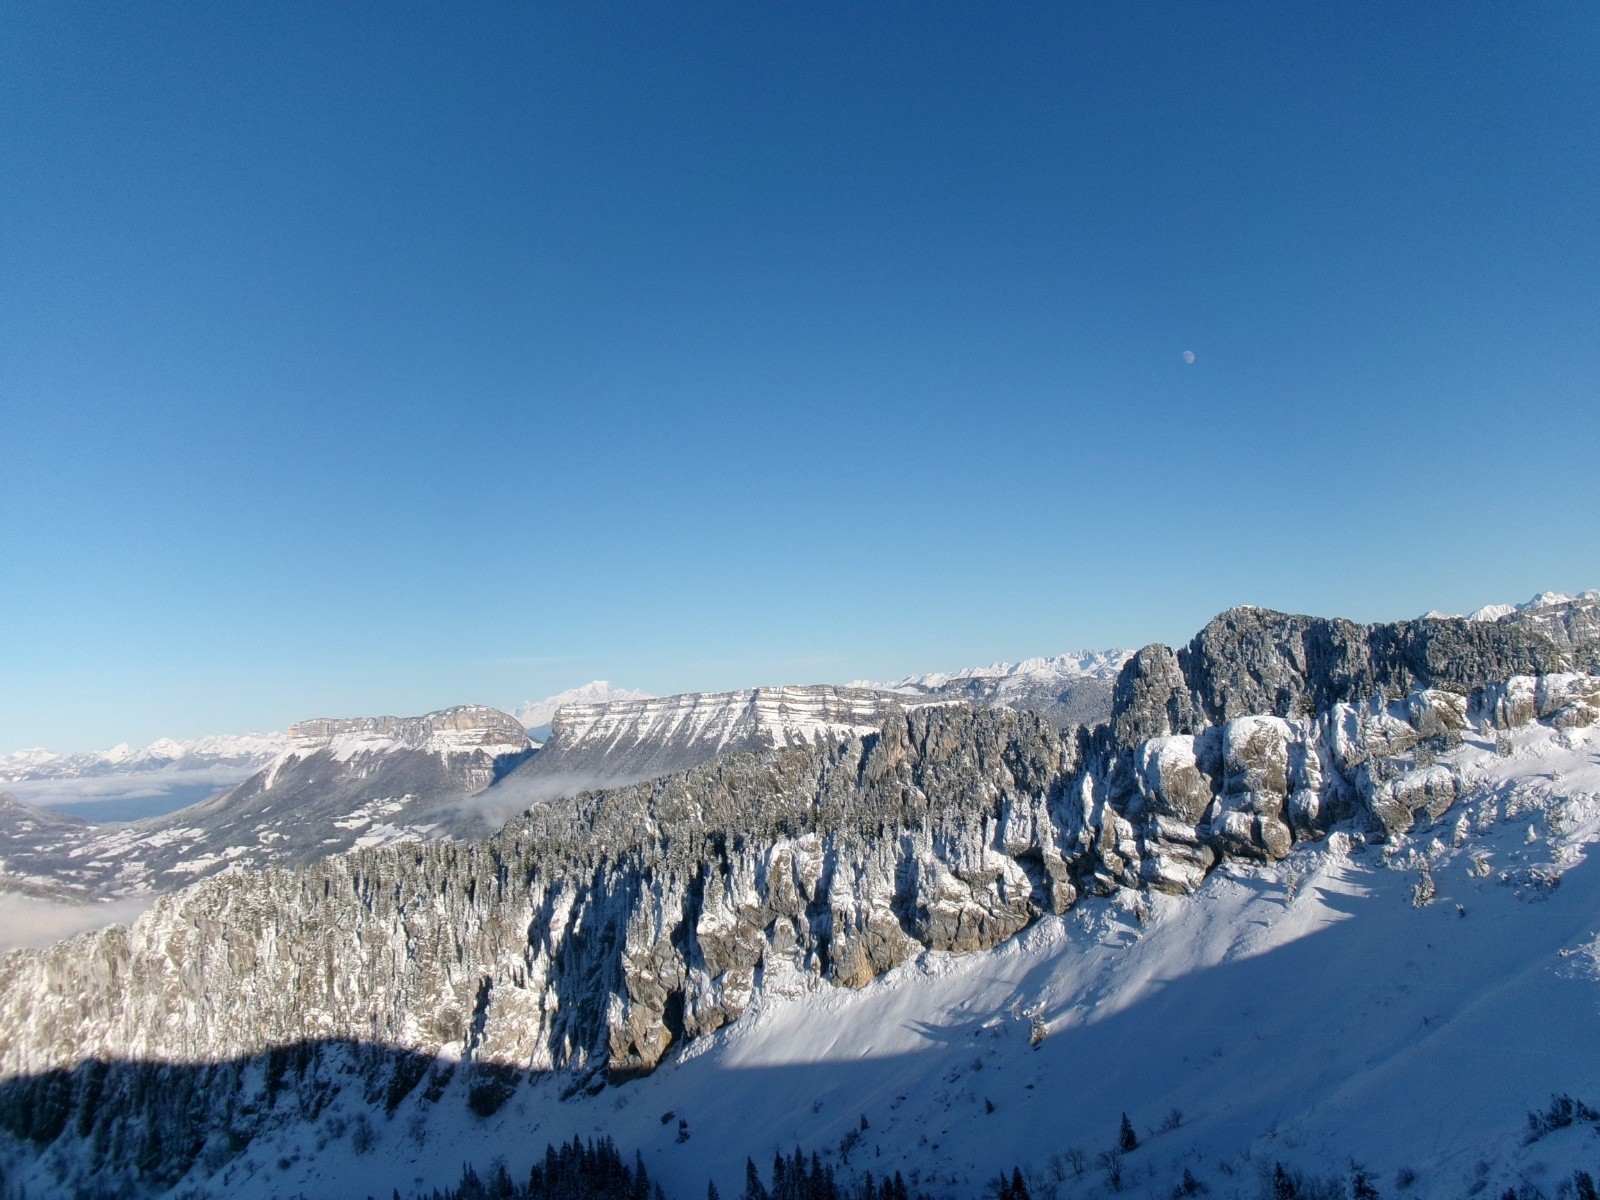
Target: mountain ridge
[334,783]
[603,932]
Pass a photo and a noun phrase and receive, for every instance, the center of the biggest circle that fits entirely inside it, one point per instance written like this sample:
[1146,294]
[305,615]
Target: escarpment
[599,932]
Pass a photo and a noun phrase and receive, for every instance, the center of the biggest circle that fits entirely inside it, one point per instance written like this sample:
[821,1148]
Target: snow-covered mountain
[1070,689]
[536,715]
[333,785]
[625,741]
[124,783]
[227,750]
[1544,600]
[628,740]
[1316,892]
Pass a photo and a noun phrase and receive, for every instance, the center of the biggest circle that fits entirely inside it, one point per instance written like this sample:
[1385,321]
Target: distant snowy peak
[1542,602]
[537,713]
[1079,664]
[239,750]
[1068,689]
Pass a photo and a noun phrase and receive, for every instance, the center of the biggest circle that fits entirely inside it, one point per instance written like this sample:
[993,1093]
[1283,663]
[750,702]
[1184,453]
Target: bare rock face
[1176,777]
[1254,661]
[1248,821]
[1153,698]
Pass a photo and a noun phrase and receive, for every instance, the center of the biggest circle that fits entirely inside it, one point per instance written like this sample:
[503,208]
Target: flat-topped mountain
[591,745]
[624,741]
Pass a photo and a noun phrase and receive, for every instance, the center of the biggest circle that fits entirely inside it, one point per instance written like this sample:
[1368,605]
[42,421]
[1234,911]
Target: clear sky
[377,357]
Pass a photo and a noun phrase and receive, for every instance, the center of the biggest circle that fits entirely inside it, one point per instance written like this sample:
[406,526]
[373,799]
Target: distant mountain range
[1069,689]
[247,750]
[123,783]
[333,785]
[330,785]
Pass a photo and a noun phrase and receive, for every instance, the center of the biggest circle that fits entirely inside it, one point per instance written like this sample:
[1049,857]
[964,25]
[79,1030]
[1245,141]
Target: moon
[1188,356]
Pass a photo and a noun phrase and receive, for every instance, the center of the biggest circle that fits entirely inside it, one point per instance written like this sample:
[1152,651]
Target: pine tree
[1127,1139]
[754,1189]
[1283,1184]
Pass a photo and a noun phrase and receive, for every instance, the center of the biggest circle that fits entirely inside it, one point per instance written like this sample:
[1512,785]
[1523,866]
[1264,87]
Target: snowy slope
[1306,1013]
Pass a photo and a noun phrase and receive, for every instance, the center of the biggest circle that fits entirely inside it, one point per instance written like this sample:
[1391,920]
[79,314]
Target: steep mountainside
[335,784]
[600,933]
[23,829]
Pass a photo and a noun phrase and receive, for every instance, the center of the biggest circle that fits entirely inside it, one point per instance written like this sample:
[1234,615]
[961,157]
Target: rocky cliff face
[335,785]
[599,932]
[623,741]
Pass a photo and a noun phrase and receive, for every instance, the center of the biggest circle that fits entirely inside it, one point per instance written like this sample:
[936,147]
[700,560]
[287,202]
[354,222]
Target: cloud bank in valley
[26,921]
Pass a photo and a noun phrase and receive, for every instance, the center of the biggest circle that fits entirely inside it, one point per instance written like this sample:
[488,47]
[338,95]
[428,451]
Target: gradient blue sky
[378,357]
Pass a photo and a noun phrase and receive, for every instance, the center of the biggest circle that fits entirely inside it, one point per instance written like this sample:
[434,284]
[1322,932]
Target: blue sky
[361,358]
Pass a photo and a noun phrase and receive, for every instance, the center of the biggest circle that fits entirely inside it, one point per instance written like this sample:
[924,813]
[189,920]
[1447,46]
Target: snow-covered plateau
[626,741]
